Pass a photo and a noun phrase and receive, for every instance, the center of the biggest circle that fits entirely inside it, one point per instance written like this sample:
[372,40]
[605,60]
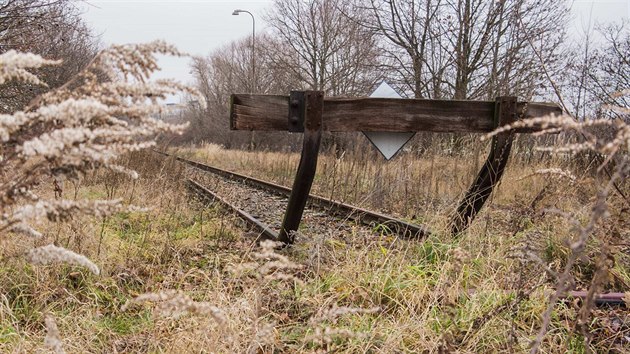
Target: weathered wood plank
[259,112]
[491,171]
[269,112]
[401,115]
[311,107]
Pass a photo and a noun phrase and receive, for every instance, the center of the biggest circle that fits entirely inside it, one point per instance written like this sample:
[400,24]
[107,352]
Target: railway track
[266,231]
[266,212]
[331,207]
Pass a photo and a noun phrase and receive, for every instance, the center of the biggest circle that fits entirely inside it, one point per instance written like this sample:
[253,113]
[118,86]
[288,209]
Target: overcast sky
[201,26]
[194,26]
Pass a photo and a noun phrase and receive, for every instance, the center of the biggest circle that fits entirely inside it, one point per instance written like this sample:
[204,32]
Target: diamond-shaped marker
[388,143]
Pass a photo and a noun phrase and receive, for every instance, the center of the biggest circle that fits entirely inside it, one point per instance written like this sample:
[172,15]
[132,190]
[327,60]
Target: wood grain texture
[506,109]
[313,107]
[269,112]
[259,112]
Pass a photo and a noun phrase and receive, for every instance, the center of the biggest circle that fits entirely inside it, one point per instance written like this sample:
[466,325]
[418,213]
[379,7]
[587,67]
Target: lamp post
[236,13]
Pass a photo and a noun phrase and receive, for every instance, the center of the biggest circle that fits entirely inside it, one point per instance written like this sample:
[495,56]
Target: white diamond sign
[388,143]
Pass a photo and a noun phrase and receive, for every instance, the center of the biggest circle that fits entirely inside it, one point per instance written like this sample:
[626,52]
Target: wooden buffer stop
[311,113]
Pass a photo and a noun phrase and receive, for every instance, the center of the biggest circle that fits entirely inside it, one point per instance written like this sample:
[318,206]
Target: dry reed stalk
[85,124]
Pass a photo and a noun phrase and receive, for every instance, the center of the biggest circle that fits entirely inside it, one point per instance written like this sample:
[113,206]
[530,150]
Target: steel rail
[264,229]
[602,299]
[599,299]
[362,215]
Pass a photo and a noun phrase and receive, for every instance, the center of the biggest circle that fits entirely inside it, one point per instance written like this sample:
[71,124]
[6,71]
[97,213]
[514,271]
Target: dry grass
[343,293]
[411,186]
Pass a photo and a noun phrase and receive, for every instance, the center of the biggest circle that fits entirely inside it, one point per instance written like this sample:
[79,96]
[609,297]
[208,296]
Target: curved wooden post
[305,113]
[505,112]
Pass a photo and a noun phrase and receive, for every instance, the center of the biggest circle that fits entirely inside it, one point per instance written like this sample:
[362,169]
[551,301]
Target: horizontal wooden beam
[270,112]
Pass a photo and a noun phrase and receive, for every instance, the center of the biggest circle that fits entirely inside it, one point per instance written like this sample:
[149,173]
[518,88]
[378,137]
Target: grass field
[475,293]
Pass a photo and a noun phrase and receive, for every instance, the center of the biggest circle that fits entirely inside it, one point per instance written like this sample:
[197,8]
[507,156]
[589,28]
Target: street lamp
[236,13]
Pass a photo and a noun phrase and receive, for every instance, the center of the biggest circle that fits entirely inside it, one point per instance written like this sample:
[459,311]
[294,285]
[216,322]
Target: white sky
[588,13]
[201,26]
[196,27]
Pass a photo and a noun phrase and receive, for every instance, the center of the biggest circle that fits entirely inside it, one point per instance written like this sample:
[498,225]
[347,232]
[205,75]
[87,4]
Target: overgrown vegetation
[104,250]
[442,293]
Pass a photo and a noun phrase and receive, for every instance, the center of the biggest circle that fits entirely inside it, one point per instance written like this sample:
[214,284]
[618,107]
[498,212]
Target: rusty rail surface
[603,299]
[265,230]
[368,217]
[600,299]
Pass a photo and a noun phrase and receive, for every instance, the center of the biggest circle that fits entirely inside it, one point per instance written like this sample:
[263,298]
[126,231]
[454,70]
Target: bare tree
[52,29]
[526,46]
[322,45]
[227,71]
[612,62]
[467,49]
[575,83]
[224,72]
[19,16]
[597,71]
[411,40]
